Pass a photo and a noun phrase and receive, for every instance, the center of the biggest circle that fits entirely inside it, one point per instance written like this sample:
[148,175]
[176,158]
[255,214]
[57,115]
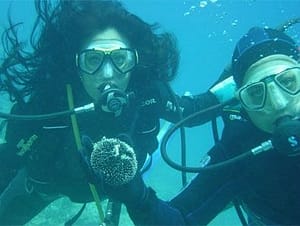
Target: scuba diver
[88,54]
[266,70]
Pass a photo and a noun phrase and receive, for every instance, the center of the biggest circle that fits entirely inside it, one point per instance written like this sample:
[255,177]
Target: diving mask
[91,59]
[253,96]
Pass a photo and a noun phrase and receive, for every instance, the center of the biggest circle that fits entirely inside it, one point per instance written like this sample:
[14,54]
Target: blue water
[207,32]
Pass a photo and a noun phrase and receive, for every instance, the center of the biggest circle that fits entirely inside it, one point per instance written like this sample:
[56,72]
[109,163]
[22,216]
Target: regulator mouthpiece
[112,99]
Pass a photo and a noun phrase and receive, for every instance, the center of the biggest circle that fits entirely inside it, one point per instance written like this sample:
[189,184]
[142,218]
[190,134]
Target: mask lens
[289,80]
[90,61]
[123,59]
[253,96]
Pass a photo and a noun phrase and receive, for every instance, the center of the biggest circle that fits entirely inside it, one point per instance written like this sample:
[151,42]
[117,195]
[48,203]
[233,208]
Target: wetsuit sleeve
[190,104]
[197,204]
[155,211]
[209,192]
[10,163]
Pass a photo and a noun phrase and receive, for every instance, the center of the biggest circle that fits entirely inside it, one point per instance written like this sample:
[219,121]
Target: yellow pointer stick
[79,147]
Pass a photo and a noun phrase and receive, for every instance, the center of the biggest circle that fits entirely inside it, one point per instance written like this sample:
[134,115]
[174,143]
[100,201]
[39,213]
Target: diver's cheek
[262,120]
[123,82]
[267,124]
[91,89]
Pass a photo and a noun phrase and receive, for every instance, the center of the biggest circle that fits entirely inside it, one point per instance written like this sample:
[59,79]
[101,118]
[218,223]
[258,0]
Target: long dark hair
[59,31]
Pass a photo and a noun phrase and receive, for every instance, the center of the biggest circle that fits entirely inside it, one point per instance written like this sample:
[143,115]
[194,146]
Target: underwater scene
[206,33]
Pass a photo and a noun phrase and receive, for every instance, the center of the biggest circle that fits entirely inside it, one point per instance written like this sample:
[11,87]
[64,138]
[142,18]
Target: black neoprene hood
[257,44]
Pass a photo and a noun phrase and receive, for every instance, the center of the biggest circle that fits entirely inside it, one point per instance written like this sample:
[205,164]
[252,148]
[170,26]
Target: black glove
[133,194]
[112,167]
[286,137]
[85,155]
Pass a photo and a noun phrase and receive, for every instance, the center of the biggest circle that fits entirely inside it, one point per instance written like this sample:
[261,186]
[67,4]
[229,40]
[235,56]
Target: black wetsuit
[46,165]
[267,186]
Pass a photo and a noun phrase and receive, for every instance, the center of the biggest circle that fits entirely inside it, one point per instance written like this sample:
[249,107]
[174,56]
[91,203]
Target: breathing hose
[79,110]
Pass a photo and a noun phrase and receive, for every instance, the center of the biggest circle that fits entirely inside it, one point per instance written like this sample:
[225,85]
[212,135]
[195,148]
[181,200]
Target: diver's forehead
[106,44]
[108,39]
[268,66]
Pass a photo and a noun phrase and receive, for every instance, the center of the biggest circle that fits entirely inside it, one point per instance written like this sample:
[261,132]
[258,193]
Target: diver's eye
[92,60]
[123,59]
[256,91]
[288,80]
[120,59]
[253,95]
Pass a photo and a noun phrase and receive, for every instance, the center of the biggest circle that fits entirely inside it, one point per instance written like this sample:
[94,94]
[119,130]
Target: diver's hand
[224,90]
[133,194]
[85,155]
[114,162]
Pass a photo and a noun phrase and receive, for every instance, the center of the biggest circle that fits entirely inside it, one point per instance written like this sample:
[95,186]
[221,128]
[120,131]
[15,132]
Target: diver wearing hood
[267,73]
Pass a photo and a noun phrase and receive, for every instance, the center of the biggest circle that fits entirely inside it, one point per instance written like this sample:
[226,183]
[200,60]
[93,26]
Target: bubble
[203,4]
[234,23]
[192,7]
